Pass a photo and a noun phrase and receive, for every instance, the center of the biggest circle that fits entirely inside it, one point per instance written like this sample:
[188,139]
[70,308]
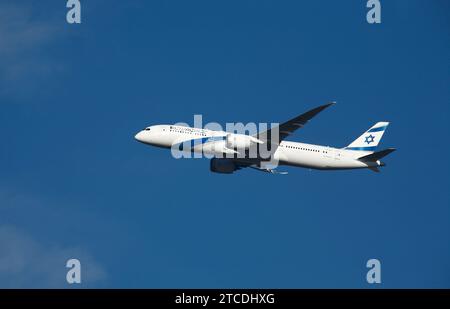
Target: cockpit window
[147,129]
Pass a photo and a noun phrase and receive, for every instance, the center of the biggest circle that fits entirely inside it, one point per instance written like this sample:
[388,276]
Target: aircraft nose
[139,136]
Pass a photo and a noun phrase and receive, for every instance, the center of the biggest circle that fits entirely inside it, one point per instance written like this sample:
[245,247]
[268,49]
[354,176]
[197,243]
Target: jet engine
[223,166]
[240,141]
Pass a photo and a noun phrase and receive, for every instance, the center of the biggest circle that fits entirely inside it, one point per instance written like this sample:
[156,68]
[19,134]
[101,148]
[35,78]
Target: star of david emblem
[369,139]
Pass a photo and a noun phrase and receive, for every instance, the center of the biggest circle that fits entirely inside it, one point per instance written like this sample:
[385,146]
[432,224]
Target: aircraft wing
[284,130]
[287,128]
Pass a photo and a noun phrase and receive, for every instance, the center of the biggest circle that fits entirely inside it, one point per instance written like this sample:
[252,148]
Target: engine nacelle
[239,141]
[223,166]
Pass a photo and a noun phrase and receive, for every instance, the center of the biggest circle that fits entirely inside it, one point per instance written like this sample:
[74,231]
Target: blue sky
[75,184]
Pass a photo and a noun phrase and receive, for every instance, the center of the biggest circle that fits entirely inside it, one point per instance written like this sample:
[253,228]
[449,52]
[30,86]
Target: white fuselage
[288,153]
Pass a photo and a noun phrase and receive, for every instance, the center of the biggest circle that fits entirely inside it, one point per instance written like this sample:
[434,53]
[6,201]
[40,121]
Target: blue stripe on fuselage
[372,148]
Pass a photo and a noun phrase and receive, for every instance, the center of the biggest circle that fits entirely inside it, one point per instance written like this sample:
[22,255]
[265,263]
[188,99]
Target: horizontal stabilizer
[376,155]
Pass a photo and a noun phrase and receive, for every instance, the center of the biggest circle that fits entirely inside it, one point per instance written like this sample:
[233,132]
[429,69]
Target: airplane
[226,146]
